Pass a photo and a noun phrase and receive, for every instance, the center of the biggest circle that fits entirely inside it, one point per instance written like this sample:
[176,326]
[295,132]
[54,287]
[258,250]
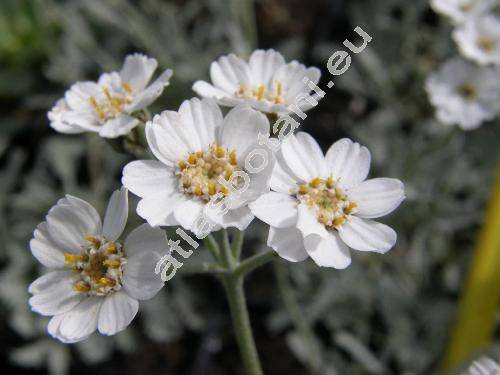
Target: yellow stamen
[126,86]
[302,189]
[219,152]
[82,286]
[72,258]
[107,94]
[316,182]
[182,165]
[232,158]
[350,208]
[114,263]
[106,281]
[97,107]
[338,221]
[330,183]
[211,188]
[486,43]
[260,92]
[192,159]
[93,240]
[198,191]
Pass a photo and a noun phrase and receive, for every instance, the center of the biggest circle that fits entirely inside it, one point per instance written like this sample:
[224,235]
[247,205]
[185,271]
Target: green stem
[212,246]
[297,317]
[227,255]
[237,244]
[248,265]
[241,324]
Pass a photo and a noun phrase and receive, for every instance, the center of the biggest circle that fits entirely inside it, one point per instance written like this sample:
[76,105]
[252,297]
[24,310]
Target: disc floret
[328,200]
[199,174]
[99,266]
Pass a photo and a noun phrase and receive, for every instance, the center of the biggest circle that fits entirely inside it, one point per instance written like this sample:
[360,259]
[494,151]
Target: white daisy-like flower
[478,39]
[96,280]
[108,106]
[461,10]
[266,82]
[321,206]
[464,94]
[483,366]
[202,161]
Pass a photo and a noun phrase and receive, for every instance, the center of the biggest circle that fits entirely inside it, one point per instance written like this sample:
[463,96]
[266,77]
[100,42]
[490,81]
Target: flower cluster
[212,171]
[467,93]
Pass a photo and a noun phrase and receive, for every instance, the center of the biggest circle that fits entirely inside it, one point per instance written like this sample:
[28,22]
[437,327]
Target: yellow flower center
[199,174]
[259,93]
[112,104]
[328,201]
[486,43]
[99,266]
[467,91]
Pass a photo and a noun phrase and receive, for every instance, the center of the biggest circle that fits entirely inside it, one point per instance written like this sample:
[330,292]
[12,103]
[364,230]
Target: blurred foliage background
[387,314]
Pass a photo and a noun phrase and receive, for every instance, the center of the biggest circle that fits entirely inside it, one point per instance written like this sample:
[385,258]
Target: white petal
[56,121]
[44,249]
[53,329]
[228,72]
[78,323]
[117,311]
[348,161]
[367,235]
[146,177]
[206,90]
[263,65]
[145,238]
[156,208]
[120,125]
[292,77]
[276,209]
[139,278]
[307,222]
[282,179]
[164,138]
[77,97]
[236,218]
[241,128]
[288,243]
[68,224]
[303,156]
[149,95]
[203,117]
[53,293]
[116,215]
[377,197]
[328,252]
[137,70]
[188,212]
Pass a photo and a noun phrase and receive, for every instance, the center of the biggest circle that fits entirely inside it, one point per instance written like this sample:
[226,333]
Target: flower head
[97,279]
[479,39]
[107,106]
[483,366]
[322,205]
[460,11]
[203,169]
[265,82]
[464,94]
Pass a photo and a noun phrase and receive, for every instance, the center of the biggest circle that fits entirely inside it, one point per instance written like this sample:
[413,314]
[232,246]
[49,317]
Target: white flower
[197,149]
[265,82]
[461,10]
[107,106]
[483,366]
[479,39]
[96,280]
[464,94]
[321,205]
